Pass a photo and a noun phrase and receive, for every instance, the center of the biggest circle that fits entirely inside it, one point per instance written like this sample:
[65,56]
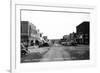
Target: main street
[57,52]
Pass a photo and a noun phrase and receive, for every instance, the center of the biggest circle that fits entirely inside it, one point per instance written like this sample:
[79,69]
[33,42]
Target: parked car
[24,50]
[44,45]
[73,43]
[68,43]
[64,43]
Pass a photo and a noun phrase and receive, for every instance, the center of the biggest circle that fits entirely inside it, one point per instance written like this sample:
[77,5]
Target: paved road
[56,53]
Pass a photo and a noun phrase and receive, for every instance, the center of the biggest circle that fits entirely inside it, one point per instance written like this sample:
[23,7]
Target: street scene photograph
[49,36]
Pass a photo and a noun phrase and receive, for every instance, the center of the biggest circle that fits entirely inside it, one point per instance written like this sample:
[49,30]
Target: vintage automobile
[24,49]
[68,43]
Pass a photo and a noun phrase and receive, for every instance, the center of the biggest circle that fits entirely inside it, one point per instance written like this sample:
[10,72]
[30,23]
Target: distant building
[82,31]
[66,37]
[72,36]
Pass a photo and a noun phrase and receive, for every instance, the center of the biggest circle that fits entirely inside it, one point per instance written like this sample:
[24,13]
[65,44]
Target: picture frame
[18,6]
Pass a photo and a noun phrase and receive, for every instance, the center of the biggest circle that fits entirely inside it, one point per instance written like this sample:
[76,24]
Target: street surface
[57,52]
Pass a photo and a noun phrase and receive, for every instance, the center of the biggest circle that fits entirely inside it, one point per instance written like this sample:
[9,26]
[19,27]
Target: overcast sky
[54,24]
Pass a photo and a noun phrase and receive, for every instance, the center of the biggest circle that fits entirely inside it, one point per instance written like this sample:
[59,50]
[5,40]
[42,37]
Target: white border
[16,67]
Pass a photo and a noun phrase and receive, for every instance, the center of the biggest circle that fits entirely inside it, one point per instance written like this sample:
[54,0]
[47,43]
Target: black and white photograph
[50,36]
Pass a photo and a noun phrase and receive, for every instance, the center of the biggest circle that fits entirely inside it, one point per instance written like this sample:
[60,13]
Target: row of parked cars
[68,43]
[25,45]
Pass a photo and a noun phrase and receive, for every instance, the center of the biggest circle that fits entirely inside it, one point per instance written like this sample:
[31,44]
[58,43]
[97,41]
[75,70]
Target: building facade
[29,33]
[83,34]
[24,31]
